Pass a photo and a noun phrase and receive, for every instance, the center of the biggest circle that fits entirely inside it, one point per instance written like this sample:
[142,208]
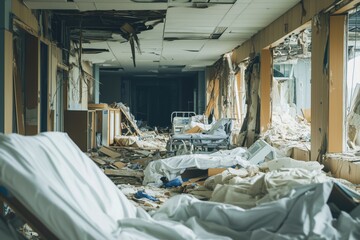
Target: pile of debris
[150,178]
[134,137]
[124,165]
[287,133]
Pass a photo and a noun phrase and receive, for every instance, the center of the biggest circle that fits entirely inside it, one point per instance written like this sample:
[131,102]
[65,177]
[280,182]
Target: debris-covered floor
[143,168]
[226,176]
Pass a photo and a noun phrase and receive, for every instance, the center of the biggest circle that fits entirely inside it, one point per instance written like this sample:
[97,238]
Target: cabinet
[107,125]
[80,126]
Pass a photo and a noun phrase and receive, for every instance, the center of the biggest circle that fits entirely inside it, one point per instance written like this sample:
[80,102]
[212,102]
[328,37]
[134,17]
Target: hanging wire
[354,63]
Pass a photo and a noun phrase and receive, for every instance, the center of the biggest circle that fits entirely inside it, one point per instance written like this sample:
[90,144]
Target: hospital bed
[218,137]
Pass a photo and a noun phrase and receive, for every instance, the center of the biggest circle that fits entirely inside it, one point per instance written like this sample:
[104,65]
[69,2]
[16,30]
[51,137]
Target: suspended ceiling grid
[184,42]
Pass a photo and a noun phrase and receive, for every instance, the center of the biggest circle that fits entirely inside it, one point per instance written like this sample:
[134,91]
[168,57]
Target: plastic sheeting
[174,166]
[75,200]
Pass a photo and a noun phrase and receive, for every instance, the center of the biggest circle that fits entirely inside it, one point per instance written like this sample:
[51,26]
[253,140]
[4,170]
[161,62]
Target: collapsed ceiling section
[108,26]
[171,35]
[294,47]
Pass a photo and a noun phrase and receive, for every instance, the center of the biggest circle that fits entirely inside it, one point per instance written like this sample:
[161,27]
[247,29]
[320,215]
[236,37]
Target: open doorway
[291,96]
[26,81]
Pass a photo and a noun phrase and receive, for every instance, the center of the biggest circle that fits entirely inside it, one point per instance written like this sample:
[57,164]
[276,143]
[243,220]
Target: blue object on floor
[173,183]
[142,194]
[4,191]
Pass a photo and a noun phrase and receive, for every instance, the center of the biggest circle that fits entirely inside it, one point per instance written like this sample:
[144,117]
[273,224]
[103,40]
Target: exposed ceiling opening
[189,33]
[295,46]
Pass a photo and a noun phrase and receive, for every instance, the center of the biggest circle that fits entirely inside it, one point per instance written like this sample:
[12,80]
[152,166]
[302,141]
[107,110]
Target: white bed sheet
[174,166]
[75,200]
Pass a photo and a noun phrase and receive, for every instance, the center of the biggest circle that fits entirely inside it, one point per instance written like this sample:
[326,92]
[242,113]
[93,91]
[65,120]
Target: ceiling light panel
[61,5]
[128,6]
[86,6]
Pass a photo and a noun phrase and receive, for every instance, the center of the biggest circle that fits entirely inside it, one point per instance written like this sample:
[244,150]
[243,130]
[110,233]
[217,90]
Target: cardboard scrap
[119,165]
[300,154]
[343,166]
[214,171]
[195,129]
[109,152]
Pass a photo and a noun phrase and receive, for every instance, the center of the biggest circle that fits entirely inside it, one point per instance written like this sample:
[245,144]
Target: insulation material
[287,133]
[174,166]
[50,170]
[251,125]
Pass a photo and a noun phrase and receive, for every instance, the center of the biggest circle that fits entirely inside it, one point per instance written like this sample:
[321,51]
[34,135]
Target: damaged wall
[80,78]
[302,75]
[251,125]
[218,90]
[295,20]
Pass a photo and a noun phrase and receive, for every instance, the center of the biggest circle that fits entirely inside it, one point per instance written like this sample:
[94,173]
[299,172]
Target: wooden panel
[265,89]
[25,15]
[76,126]
[337,81]
[8,82]
[319,88]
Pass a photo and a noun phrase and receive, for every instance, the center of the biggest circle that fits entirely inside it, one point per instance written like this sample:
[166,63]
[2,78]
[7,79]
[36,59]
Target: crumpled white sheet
[59,184]
[247,192]
[301,215]
[174,166]
[68,193]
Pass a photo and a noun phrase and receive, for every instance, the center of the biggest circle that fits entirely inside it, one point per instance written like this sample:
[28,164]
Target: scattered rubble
[286,133]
